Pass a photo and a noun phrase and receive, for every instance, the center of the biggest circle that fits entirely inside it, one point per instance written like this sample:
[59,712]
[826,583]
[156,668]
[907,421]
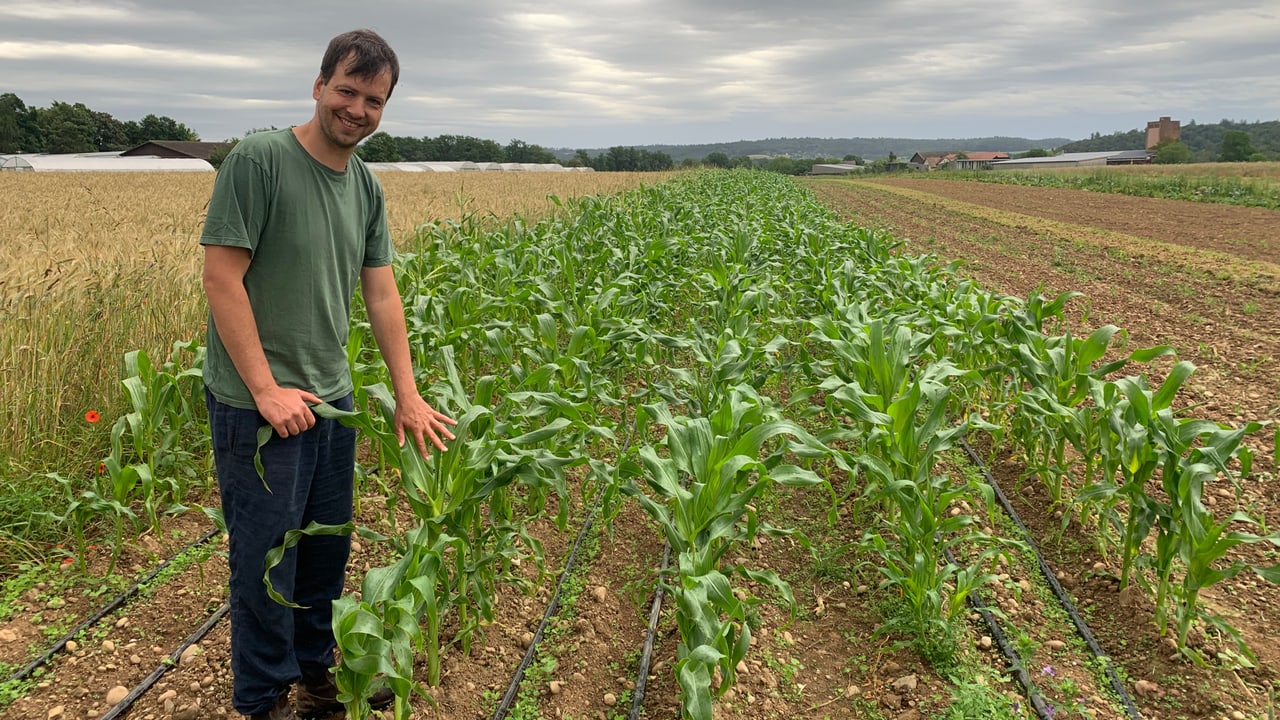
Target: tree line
[67,128]
[383,147]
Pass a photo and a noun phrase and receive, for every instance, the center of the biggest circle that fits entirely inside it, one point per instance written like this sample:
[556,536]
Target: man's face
[348,107]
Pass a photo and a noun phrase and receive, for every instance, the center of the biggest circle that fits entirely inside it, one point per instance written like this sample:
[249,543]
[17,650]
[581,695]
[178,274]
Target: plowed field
[1199,277]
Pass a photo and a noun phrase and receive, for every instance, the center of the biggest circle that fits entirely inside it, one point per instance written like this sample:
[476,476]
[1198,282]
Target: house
[175,149]
[955,160]
[921,161]
[976,160]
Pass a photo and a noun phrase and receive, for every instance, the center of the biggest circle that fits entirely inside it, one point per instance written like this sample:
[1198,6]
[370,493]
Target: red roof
[988,156]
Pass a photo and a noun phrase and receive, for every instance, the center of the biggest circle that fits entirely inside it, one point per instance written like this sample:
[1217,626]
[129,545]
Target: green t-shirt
[309,230]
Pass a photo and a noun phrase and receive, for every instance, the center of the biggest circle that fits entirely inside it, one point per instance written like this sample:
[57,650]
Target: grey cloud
[591,73]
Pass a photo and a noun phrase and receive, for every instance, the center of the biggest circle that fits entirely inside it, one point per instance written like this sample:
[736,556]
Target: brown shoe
[283,710]
[318,700]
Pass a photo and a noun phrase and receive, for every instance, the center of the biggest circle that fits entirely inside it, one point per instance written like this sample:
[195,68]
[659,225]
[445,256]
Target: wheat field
[95,265]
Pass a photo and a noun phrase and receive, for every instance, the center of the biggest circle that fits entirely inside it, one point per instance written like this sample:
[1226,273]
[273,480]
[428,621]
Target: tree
[108,132]
[716,159]
[1037,152]
[521,152]
[13,122]
[380,147]
[411,149]
[1172,152]
[157,127]
[67,128]
[1236,146]
[855,159]
[218,154]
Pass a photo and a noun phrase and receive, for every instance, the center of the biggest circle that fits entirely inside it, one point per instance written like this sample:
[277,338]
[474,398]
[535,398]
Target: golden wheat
[95,265]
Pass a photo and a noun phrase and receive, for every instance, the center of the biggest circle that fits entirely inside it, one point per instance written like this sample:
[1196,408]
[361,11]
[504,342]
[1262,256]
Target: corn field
[694,347]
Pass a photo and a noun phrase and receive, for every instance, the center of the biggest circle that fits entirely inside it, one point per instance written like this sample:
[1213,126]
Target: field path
[1250,233]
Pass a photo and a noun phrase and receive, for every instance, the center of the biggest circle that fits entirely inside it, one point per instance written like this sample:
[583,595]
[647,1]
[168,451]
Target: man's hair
[365,54]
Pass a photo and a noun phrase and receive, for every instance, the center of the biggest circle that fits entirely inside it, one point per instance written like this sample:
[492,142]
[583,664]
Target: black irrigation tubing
[514,688]
[166,664]
[104,611]
[1010,654]
[651,634]
[1081,626]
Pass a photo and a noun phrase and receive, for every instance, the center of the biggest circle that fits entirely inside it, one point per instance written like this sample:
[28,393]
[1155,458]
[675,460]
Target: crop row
[689,346]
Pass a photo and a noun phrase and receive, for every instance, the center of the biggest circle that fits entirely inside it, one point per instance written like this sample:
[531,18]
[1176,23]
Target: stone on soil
[907,682]
[116,694]
[1146,688]
[188,656]
[610,699]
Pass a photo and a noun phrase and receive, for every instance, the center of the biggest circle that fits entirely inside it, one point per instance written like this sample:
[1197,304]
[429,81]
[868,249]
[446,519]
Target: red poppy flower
[92,416]
[102,468]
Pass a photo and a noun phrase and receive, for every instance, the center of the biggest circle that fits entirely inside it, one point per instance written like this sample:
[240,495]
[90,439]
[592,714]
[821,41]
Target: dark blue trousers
[310,477]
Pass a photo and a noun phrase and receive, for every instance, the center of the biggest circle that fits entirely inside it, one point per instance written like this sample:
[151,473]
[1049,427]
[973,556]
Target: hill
[812,147]
[1204,141]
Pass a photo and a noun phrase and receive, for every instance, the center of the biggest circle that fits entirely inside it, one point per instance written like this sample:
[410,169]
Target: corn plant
[718,457]
[1059,373]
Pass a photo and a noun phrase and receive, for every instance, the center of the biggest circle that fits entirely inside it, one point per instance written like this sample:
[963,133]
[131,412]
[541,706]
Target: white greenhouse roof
[78,163]
[1063,158]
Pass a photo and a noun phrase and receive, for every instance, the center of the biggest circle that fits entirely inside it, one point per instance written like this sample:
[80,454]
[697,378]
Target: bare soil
[1107,247]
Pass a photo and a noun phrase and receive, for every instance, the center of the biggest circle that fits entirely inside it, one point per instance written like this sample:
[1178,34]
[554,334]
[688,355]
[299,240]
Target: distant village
[1158,131]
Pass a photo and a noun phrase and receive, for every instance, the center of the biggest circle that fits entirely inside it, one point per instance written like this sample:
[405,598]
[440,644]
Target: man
[293,222]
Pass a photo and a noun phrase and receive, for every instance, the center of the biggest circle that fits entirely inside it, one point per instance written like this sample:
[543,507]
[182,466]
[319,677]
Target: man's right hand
[287,410]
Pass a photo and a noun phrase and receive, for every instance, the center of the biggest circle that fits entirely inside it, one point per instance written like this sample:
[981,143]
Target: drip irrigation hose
[1010,654]
[651,633]
[514,687]
[1081,626]
[104,611]
[166,665]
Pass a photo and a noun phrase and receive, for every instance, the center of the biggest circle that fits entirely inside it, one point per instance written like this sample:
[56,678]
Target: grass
[1183,182]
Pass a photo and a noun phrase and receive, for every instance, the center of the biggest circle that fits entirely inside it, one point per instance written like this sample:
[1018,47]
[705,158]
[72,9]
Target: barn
[1054,162]
[175,149]
[835,169]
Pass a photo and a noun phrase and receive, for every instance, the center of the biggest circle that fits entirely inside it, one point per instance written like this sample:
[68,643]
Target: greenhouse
[99,163]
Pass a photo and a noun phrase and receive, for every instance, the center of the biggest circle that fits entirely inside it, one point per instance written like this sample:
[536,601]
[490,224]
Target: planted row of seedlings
[697,348]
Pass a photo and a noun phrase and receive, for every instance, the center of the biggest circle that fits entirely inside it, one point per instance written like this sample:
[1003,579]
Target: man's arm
[284,408]
[386,315]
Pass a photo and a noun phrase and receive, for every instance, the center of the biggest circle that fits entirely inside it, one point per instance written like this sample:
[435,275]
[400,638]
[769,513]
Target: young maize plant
[1059,373]
[704,491]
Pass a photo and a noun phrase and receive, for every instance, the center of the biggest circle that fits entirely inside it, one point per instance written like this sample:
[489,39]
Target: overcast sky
[598,73]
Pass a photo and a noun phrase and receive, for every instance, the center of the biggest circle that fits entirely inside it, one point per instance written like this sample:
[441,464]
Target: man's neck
[313,141]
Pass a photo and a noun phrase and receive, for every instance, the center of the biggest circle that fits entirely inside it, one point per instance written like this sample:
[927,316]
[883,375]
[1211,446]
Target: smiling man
[294,221]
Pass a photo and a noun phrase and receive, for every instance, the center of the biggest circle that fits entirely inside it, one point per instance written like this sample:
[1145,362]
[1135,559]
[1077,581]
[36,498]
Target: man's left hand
[414,417]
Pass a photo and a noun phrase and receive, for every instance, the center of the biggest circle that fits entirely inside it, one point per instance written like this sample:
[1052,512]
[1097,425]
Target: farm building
[1065,160]
[175,149]
[95,162]
[975,160]
[1131,157]
[954,161]
[835,169]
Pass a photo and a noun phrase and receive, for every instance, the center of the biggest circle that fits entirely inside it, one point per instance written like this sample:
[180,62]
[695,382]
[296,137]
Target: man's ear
[315,90]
